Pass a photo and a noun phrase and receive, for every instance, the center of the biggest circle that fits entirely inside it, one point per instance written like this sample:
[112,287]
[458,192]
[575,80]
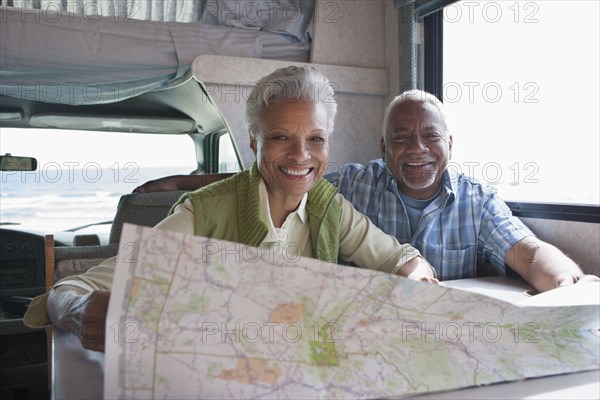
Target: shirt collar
[265,212]
[301,210]
[386,180]
[450,183]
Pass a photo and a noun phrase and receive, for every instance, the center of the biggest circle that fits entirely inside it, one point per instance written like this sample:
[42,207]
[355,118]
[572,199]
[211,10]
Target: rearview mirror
[12,163]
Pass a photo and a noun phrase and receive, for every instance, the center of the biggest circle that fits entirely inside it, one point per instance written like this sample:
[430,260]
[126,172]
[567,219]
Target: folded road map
[192,317]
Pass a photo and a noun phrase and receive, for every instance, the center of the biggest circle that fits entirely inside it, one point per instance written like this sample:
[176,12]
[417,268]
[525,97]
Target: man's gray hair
[289,84]
[414,96]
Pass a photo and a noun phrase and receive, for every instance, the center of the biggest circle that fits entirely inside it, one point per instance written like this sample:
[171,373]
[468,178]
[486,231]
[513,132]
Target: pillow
[292,18]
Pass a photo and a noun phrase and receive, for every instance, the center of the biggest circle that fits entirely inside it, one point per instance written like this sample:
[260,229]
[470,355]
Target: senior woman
[281,203]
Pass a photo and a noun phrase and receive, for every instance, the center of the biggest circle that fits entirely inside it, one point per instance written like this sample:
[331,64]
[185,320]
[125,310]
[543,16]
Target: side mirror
[12,163]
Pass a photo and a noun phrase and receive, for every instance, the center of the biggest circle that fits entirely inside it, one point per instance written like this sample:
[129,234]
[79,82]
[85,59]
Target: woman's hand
[93,320]
[418,269]
[83,313]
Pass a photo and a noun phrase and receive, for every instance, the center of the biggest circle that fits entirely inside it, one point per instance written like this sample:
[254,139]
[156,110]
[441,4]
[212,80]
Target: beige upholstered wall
[350,33]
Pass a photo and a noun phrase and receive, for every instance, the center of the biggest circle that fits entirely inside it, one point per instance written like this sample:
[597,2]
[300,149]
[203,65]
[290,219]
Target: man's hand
[566,279]
[544,266]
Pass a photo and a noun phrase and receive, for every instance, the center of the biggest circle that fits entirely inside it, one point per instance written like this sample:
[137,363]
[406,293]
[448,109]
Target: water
[57,200]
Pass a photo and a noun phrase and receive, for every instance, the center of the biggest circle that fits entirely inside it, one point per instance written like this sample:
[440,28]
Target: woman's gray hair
[414,96]
[289,84]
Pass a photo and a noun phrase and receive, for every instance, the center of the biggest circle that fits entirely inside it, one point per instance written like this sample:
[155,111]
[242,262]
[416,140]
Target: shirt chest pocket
[453,261]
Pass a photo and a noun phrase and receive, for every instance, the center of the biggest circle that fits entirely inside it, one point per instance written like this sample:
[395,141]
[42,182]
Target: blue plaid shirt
[464,226]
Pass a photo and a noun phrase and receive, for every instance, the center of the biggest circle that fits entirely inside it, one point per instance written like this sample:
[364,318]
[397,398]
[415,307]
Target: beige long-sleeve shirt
[361,243]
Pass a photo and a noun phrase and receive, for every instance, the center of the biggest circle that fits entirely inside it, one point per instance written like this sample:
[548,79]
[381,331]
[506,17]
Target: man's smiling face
[416,148]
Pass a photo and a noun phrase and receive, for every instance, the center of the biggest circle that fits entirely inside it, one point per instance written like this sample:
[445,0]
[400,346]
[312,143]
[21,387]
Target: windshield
[81,175]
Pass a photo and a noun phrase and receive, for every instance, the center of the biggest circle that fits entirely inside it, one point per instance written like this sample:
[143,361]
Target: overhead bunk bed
[43,48]
[56,56]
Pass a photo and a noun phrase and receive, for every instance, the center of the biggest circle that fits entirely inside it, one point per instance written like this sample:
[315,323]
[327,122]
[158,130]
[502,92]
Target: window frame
[433,80]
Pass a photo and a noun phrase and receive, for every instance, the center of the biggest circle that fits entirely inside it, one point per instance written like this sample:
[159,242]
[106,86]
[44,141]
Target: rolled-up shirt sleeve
[365,245]
[500,231]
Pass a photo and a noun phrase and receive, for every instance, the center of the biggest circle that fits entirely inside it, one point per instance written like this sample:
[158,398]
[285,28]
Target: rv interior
[183,72]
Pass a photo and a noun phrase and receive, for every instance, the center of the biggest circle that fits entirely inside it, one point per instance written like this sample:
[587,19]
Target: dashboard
[21,264]
[23,350]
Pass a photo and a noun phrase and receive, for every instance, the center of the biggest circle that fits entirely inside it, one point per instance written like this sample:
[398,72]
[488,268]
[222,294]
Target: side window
[521,89]
[228,158]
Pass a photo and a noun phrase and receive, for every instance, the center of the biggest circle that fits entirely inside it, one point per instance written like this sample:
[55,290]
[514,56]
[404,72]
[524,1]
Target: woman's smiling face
[293,150]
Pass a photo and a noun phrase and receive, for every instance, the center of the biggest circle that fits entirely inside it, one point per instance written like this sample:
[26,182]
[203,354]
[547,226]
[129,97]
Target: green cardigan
[229,210]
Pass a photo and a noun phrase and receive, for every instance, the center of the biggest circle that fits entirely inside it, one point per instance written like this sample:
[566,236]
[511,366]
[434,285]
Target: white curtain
[150,10]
